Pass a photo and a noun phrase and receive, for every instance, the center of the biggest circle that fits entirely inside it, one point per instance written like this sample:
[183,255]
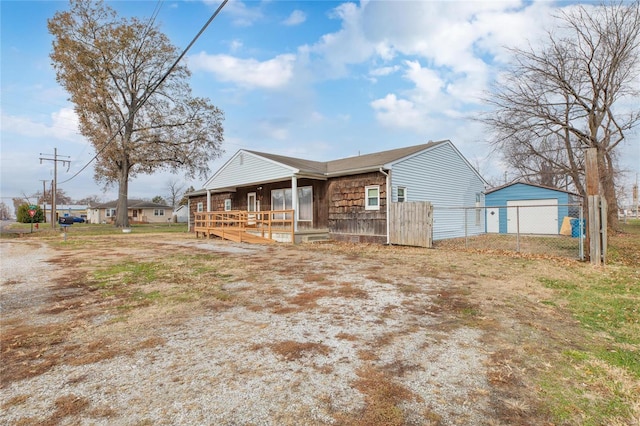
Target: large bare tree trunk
[122,210]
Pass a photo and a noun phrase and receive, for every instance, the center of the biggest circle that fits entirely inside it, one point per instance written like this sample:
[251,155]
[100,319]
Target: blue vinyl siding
[441,176]
[522,191]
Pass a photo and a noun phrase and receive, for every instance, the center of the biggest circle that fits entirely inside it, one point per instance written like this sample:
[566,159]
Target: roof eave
[356,171]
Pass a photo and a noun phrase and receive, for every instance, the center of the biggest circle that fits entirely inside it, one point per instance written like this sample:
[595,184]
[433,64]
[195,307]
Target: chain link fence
[553,229]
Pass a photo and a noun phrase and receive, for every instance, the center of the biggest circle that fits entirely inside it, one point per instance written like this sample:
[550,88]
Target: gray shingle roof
[297,163]
[344,165]
[524,182]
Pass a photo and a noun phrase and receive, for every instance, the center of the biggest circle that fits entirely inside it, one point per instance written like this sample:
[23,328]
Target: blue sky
[313,79]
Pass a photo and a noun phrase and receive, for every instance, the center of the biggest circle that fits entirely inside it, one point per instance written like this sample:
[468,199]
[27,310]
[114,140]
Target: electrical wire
[153,89]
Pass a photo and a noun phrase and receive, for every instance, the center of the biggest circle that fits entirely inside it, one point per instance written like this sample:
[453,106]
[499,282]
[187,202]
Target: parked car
[78,219]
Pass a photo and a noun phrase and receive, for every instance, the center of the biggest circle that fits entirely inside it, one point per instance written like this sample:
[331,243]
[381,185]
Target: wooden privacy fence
[411,224]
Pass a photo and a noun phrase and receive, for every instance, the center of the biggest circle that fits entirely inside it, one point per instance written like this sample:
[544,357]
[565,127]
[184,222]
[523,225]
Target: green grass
[597,384]
[130,272]
[76,229]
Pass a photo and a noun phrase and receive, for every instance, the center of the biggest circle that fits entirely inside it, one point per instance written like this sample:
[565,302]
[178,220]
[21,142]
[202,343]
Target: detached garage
[528,208]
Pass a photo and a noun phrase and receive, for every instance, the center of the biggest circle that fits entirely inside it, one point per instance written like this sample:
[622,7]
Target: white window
[200,207]
[281,200]
[402,194]
[227,204]
[305,204]
[158,212]
[372,197]
[110,212]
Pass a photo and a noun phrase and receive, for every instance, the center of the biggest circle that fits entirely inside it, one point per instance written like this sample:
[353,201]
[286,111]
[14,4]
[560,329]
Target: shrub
[22,215]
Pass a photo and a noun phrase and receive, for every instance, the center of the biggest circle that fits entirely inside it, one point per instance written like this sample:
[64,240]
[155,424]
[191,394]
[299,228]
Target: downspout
[388,184]
[294,202]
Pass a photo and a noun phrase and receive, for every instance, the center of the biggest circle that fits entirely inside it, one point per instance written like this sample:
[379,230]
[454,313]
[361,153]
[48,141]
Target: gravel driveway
[327,341]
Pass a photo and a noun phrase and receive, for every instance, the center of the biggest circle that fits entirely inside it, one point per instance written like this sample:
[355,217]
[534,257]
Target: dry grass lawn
[319,334]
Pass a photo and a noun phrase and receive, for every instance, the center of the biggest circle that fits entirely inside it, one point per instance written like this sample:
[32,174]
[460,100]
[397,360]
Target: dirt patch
[171,330]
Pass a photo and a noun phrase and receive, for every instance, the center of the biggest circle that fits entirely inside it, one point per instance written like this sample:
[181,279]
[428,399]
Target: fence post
[603,228]
[594,230]
[581,233]
[518,229]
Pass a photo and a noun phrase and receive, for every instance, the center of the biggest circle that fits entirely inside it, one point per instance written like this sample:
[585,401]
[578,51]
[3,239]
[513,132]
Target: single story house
[77,210]
[529,208]
[349,199]
[139,211]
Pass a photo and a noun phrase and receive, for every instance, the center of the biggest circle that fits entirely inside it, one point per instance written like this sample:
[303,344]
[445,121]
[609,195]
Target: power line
[153,89]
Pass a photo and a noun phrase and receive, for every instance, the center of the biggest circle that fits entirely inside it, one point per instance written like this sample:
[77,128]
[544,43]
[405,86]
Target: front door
[252,206]
[252,203]
[493,220]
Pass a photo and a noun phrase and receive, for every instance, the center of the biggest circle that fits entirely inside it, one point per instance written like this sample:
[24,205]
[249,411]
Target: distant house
[529,208]
[77,210]
[181,214]
[348,199]
[139,211]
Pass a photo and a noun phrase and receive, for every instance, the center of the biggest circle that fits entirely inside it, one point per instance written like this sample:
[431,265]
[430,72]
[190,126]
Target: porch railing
[262,223]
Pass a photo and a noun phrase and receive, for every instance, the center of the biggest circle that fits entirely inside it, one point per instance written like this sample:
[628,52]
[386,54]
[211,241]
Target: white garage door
[534,216]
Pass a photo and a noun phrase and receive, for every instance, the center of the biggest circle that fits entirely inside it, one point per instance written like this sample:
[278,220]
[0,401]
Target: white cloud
[383,71]
[64,126]
[334,51]
[270,74]
[297,17]
[394,112]
[427,81]
[243,15]
[235,45]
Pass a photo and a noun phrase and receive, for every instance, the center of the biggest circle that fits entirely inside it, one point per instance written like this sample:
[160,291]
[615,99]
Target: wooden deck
[263,227]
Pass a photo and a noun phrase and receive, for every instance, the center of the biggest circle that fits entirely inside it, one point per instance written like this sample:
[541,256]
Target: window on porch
[281,200]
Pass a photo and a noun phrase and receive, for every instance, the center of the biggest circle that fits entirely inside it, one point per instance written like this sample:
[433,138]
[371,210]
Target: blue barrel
[577,228]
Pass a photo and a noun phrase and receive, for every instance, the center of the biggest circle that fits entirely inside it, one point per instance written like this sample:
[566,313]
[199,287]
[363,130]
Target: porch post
[188,214]
[208,200]
[294,202]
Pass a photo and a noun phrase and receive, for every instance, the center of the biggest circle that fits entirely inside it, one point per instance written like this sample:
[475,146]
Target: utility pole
[54,187]
[44,198]
[634,196]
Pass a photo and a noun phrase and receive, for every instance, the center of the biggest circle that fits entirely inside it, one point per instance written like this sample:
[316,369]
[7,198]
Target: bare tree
[577,91]
[185,200]
[112,67]
[61,197]
[175,190]
[5,213]
[90,200]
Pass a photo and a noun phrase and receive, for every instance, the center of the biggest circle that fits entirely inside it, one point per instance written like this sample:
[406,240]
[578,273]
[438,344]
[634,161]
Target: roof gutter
[388,206]
[354,171]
